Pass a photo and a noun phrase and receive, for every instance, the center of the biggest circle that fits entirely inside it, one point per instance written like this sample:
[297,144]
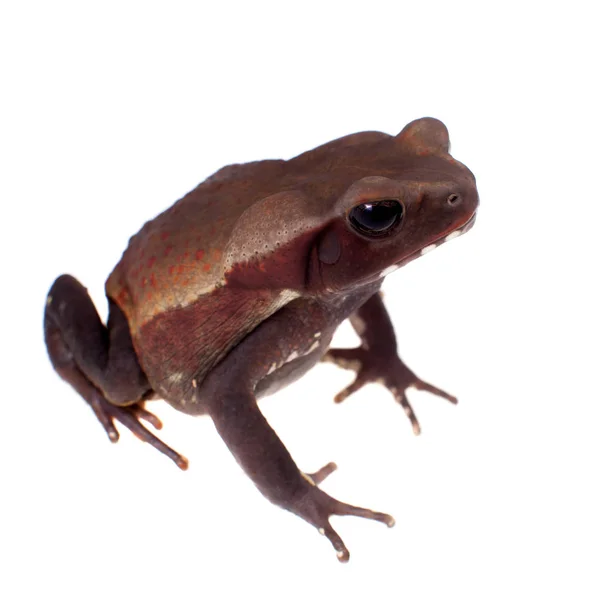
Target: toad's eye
[375,219]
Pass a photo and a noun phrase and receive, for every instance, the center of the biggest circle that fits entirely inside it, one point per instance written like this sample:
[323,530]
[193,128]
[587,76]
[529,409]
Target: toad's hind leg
[99,361]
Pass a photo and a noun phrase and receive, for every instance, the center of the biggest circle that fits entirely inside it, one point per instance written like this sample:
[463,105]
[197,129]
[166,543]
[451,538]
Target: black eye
[453,199]
[376,218]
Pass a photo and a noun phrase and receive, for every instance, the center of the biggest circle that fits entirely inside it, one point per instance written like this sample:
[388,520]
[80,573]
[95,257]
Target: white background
[110,112]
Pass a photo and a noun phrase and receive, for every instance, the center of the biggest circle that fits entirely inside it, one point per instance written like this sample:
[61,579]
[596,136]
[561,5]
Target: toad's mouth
[446,237]
[458,231]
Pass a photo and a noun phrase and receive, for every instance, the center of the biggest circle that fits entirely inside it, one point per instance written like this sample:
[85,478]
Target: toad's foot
[391,372]
[130,416]
[316,507]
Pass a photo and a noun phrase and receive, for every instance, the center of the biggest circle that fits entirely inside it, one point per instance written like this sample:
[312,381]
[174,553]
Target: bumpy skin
[237,289]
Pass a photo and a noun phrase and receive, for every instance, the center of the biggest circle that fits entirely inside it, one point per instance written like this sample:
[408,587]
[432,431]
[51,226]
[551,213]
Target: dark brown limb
[99,363]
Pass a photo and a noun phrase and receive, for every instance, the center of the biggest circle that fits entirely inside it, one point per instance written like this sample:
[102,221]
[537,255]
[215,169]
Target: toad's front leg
[229,392]
[376,360]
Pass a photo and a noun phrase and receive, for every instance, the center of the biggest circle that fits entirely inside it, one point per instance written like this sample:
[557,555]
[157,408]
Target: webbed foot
[391,372]
[316,507]
[130,416]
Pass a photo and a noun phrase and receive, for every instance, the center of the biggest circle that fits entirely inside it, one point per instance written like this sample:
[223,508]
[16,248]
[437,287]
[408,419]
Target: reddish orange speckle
[144,281]
[149,296]
[164,235]
[171,269]
[168,250]
[199,254]
[180,269]
[206,267]
[153,280]
[151,261]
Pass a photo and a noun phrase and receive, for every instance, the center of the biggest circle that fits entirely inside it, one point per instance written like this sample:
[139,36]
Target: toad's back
[178,256]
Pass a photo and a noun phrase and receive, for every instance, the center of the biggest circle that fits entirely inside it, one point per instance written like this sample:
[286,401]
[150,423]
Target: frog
[236,290]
